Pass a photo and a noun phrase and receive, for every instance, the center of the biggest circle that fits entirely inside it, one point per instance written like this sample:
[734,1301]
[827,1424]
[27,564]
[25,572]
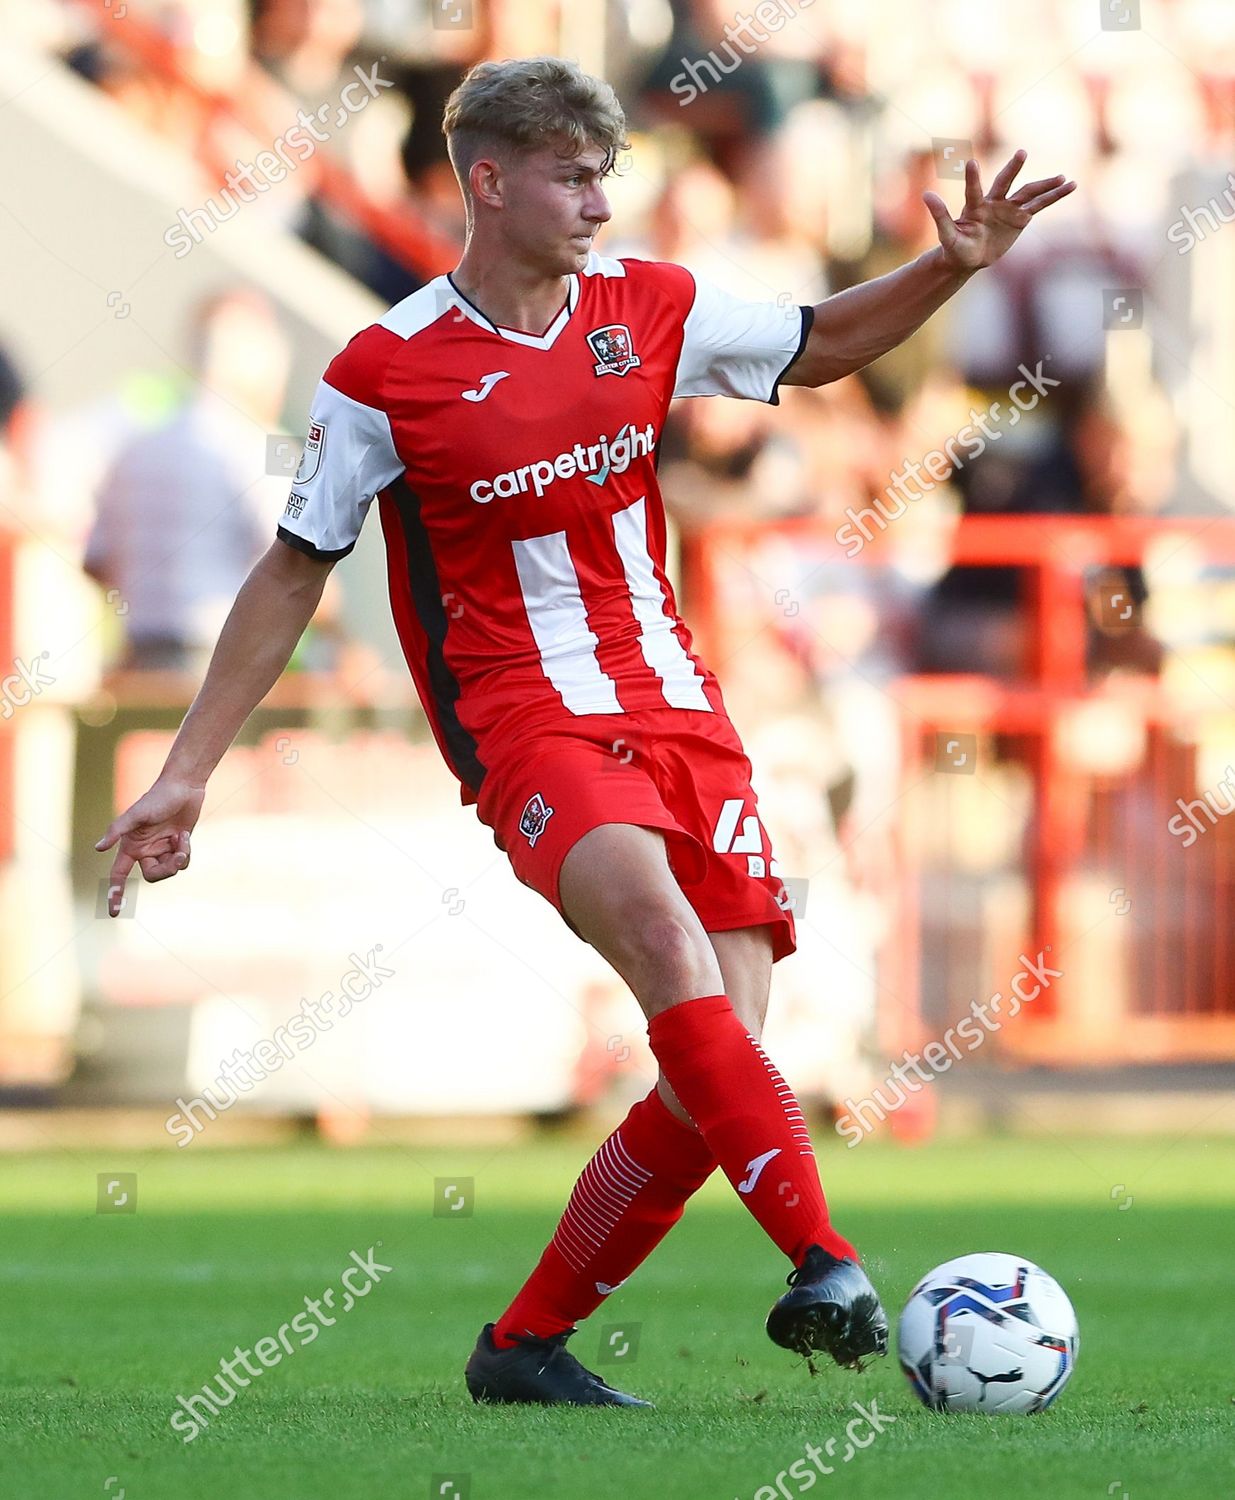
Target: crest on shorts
[533,818]
[312,455]
[614,349]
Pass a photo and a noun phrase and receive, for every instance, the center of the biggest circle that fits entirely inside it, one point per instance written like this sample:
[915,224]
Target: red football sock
[627,1199]
[748,1115]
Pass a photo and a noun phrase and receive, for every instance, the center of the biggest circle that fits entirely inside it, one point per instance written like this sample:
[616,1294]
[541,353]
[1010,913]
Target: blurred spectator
[730,94]
[187,507]
[901,230]
[14,429]
[306,46]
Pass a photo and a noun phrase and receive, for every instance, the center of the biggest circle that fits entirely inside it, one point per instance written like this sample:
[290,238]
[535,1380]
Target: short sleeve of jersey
[349,456]
[735,348]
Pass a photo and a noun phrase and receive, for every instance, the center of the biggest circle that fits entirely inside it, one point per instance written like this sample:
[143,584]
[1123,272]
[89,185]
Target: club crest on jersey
[533,818]
[311,458]
[614,349]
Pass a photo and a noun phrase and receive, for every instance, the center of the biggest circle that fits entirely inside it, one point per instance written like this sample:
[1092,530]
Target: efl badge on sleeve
[533,818]
[614,350]
[311,458]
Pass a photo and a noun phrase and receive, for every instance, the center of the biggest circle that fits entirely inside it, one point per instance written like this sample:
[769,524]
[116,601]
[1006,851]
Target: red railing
[1175,954]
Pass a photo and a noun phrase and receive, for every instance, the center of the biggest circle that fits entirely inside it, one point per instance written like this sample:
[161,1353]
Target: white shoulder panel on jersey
[349,456]
[602,265]
[421,309]
[736,348]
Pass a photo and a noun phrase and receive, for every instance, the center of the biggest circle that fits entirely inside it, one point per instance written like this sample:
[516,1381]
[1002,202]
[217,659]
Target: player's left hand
[990,223]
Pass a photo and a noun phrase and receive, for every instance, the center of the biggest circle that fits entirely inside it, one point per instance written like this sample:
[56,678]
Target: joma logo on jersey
[600,459]
[614,349]
[533,818]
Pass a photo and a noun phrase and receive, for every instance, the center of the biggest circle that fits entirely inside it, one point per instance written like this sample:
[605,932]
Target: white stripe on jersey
[662,650]
[559,624]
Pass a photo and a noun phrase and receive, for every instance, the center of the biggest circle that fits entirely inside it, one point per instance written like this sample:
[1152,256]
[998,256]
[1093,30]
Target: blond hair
[525,103]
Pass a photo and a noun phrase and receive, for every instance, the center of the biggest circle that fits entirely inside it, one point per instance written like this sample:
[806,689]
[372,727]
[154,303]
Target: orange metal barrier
[1135,909]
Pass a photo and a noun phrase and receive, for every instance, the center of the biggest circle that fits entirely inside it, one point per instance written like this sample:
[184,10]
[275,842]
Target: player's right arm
[272,610]
[349,458]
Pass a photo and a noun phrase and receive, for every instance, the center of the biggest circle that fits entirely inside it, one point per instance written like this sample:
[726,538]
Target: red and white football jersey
[516,481]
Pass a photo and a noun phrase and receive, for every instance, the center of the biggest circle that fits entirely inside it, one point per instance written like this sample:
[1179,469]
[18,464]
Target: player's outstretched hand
[152,834]
[990,223]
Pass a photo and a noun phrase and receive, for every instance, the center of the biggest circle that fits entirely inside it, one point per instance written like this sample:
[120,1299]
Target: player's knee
[663,952]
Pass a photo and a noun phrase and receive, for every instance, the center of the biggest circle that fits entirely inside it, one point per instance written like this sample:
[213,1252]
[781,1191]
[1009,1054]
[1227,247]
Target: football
[988,1333]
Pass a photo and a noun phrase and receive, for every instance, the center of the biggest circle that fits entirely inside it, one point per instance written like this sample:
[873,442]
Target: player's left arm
[856,326]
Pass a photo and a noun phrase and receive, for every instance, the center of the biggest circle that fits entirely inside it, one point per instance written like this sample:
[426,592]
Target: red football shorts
[679,770]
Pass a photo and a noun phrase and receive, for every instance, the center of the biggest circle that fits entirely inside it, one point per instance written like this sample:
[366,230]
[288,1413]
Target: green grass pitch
[108,1317]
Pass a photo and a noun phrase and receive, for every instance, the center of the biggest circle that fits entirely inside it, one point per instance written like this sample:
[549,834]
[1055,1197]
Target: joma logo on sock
[754,1168]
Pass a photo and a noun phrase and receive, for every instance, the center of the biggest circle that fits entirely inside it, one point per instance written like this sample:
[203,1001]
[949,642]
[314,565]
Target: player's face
[556,207]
